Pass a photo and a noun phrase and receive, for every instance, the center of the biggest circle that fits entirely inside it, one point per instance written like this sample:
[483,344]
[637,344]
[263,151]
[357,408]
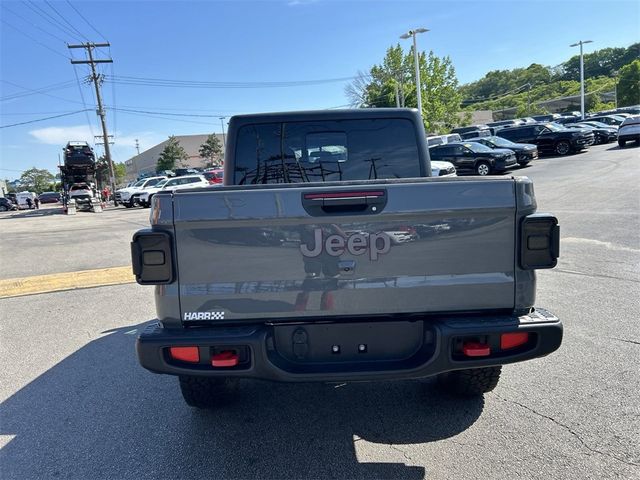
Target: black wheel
[475,381]
[3,208]
[563,147]
[621,143]
[524,164]
[483,168]
[128,204]
[203,392]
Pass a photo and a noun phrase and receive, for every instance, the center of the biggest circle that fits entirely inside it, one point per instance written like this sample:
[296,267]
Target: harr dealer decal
[203,315]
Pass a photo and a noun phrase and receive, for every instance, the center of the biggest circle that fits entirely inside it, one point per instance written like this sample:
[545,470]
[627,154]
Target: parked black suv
[472,131]
[550,138]
[474,157]
[524,152]
[614,120]
[602,133]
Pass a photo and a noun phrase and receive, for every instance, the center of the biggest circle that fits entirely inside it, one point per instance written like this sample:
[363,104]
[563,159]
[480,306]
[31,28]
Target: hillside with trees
[525,90]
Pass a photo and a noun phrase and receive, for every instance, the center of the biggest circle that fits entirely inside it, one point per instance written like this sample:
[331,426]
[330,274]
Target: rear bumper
[300,352]
[582,143]
[629,137]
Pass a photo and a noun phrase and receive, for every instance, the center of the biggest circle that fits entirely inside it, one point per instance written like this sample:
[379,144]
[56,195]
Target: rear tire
[471,382]
[563,147]
[207,393]
[483,169]
[622,143]
[3,208]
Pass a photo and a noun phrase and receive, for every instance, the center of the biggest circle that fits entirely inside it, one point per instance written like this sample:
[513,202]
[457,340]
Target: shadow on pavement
[627,146]
[42,212]
[97,414]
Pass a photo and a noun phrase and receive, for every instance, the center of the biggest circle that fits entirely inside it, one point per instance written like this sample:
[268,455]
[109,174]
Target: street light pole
[412,33]
[581,42]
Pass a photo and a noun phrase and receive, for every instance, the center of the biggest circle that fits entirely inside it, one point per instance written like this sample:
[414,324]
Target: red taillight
[185,354]
[513,340]
[474,349]
[225,359]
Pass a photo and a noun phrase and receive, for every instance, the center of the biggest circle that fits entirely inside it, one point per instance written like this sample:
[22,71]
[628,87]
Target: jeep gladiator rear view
[331,254]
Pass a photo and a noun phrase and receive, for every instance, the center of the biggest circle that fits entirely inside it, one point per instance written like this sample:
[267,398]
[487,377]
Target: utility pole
[581,42]
[528,99]
[397,95]
[101,113]
[137,147]
[224,142]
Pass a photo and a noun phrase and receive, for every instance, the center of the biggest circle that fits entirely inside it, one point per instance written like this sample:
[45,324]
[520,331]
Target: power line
[86,21]
[157,82]
[65,20]
[45,15]
[30,91]
[32,24]
[171,114]
[33,39]
[86,113]
[42,119]
[5,114]
[166,118]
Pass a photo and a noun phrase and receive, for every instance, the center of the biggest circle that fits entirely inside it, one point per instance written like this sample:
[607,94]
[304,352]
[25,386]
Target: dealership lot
[76,404]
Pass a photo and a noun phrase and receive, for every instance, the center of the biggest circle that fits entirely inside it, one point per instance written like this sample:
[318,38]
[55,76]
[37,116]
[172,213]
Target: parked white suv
[128,196]
[172,184]
[442,169]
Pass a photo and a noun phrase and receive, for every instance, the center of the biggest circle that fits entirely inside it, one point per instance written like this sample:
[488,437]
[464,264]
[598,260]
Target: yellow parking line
[56,282]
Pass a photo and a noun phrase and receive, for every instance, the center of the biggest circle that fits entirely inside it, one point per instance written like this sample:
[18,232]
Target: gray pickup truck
[330,254]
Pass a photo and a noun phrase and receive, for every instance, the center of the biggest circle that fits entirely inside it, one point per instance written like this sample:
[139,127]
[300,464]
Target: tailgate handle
[364,202]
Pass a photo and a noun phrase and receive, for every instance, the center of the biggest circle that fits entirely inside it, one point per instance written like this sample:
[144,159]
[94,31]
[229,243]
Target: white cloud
[61,135]
[123,148]
[295,3]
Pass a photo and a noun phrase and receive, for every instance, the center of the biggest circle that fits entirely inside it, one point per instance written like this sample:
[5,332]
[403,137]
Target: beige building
[146,162]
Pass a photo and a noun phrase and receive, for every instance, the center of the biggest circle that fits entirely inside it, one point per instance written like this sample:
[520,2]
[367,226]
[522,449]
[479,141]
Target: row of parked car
[499,146]
[17,201]
[141,192]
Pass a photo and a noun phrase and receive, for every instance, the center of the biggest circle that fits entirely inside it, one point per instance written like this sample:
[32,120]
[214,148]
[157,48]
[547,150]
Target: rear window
[326,151]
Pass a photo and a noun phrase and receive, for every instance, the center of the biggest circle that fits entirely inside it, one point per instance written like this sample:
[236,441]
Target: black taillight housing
[539,241]
[151,257]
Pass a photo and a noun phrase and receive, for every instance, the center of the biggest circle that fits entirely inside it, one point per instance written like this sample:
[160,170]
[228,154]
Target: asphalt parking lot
[75,404]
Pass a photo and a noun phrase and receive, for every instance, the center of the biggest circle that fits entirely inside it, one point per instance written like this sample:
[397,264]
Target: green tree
[392,82]
[211,151]
[603,62]
[629,84]
[172,154]
[36,180]
[102,172]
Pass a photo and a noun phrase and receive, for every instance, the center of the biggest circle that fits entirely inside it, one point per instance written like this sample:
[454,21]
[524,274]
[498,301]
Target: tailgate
[429,245]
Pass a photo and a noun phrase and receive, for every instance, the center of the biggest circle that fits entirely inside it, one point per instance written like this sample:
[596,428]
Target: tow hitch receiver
[225,359]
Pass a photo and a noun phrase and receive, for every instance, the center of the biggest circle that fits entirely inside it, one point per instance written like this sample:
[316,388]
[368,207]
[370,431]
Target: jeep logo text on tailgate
[335,245]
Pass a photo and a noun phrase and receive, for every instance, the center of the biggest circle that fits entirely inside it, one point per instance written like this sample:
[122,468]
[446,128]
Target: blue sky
[243,41]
